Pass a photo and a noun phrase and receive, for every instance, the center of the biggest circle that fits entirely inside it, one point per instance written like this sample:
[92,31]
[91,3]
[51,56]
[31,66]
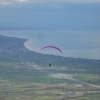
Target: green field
[24,82]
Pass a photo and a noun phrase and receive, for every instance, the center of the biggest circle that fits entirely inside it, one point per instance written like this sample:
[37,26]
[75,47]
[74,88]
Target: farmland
[24,82]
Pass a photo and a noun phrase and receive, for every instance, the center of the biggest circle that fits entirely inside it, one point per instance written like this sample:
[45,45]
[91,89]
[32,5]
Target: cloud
[8,2]
[21,0]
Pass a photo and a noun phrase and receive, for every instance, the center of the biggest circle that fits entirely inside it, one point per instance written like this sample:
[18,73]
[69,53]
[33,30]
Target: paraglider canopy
[51,47]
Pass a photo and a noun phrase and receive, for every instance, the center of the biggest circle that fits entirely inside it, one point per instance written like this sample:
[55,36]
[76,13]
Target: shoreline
[35,41]
[25,43]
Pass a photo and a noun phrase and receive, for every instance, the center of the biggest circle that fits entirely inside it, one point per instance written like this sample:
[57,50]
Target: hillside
[13,49]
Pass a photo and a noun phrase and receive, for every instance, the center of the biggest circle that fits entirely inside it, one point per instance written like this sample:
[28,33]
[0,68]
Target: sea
[77,44]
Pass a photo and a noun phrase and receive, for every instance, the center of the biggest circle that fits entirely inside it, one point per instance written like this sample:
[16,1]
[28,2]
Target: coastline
[71,46]
[25,43]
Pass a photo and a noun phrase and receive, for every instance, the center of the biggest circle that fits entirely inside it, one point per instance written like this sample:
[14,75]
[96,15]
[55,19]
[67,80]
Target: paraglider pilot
[49,64]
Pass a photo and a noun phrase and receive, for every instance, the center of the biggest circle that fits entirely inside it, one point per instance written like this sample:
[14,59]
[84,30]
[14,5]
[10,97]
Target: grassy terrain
[23,82]
[95,96]
[90,78]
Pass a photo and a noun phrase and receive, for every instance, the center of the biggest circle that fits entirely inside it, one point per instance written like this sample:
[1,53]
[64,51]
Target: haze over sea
[75,44]
[71,25]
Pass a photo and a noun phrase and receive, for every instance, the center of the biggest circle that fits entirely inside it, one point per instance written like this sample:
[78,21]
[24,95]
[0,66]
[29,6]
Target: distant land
[13,49]
[26,75]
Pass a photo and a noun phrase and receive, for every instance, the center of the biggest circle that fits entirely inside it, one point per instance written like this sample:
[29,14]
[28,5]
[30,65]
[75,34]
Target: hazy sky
[73,25]
[74,15]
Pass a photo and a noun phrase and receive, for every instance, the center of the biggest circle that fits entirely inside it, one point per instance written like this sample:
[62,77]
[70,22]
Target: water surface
[72,43]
